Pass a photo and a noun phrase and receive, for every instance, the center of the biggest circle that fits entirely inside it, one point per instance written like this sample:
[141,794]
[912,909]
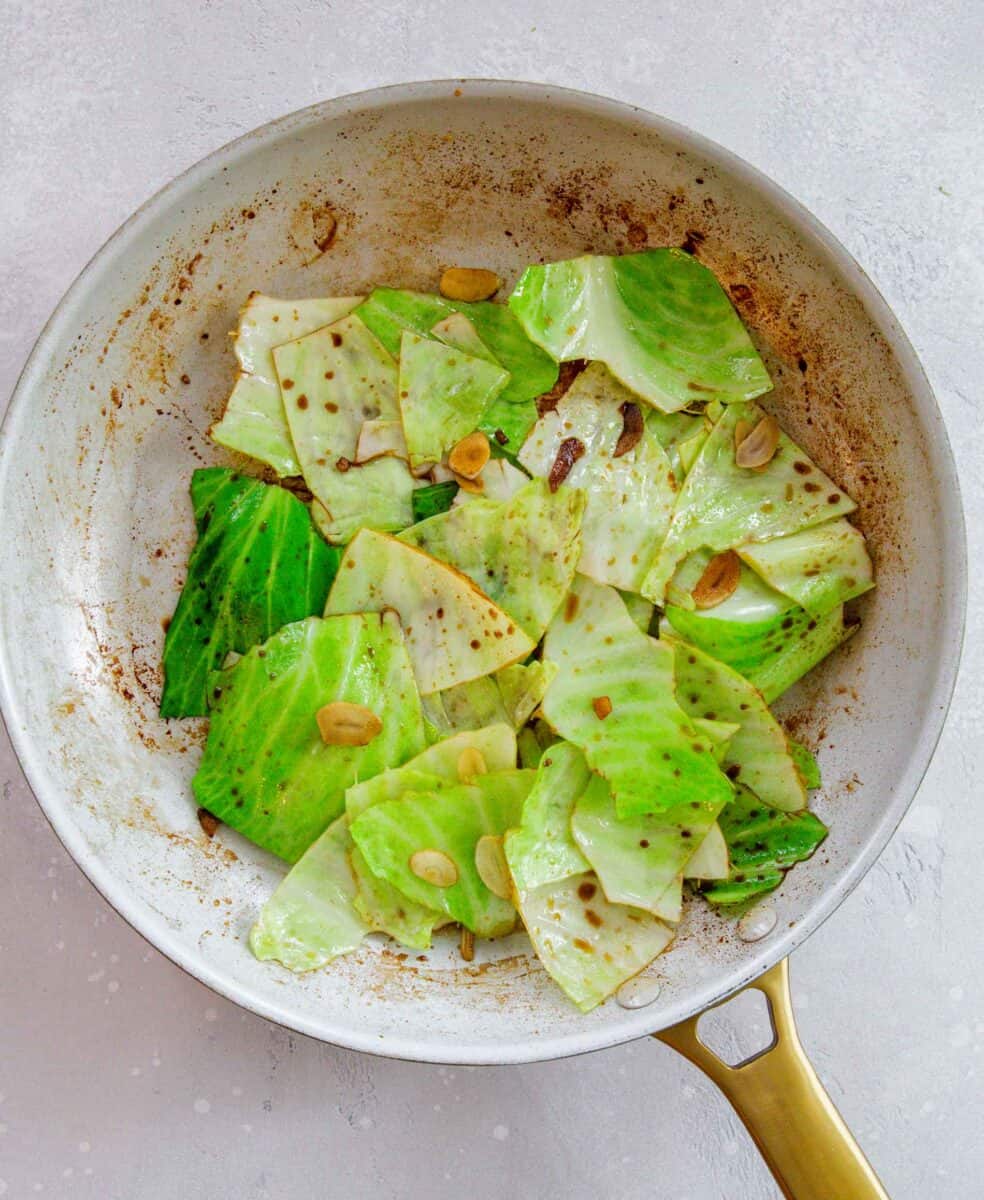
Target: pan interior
[112,416]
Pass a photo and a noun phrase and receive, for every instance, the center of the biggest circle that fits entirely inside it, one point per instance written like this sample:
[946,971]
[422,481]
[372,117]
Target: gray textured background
[122,1077]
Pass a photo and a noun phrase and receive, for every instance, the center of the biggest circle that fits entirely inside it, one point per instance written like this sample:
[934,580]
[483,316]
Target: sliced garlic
[434,867]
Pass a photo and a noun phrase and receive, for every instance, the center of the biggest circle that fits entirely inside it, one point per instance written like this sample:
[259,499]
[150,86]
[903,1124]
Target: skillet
[111,416]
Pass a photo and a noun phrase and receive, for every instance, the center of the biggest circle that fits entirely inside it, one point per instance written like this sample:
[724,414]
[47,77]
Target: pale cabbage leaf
[254,421]
[521,552]
[722,505]
[629,498]
[333,381]
[453,631]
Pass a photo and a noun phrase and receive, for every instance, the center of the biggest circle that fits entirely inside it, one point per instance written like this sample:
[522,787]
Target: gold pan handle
[782,1103]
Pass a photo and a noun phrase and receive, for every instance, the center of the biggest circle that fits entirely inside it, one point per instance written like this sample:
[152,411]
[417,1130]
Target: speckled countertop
[122,1077]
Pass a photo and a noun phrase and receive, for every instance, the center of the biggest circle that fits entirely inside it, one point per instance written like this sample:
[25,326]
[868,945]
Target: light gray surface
[119,1076]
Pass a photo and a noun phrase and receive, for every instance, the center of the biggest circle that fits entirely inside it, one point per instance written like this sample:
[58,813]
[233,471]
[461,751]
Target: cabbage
[722,505]
[629,499]
[542,849]
[459,333]
[817,638]
[510,695]
[450,820]
[640,860]
[681,434]
[759,632]
[753,600]
[257,565]
[806,764]
[818,568]
[521,552]
[453,631]
[443,394]
[254,421]
[311,917]
[762,844]
[388,312]
[266,771]
[333,381]
[319,912]
[589,946]
[710,860]
[659,320]
[433,499]
[641,610]
[496,744]
[647,747]
[380,439]
[384,908]
[758,754]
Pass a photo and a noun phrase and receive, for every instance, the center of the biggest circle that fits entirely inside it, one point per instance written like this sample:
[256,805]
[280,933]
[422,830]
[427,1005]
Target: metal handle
[778,1096]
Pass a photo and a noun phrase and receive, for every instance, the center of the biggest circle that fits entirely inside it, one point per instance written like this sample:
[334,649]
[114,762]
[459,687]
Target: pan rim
[627,1026]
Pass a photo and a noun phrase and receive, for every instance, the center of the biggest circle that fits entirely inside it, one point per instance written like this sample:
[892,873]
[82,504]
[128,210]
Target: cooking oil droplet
[638,992]
[757,923]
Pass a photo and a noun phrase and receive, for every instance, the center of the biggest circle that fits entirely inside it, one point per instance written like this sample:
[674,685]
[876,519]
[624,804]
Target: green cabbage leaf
[659,320]
[762,843]
[388,312]
[333,381]
[443,394]
[647,747]
[819,568]
[258,564]
[758,753]
[722,505]
[311,918]
[266,771]
[450,820]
